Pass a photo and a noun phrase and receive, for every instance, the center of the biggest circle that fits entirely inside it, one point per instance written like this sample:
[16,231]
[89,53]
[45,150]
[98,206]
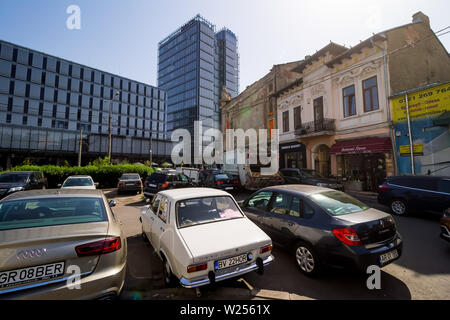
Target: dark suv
[419,193]
[164,180]
[11,182]
[308,176]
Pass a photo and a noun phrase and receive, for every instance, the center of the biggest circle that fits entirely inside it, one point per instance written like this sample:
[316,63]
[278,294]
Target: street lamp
[110,126]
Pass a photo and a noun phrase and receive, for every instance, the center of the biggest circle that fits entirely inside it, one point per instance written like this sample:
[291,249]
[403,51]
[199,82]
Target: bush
[106,175]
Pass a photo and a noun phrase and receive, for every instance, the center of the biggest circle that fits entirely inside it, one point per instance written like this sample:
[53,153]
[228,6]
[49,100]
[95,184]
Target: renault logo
[28,254]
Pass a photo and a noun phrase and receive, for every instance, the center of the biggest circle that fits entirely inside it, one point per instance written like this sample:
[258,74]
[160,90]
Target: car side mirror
[96,184]
[112,203]
[241,203]
[59,185]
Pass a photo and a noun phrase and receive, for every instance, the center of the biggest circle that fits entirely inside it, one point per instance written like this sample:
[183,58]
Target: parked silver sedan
[60,244]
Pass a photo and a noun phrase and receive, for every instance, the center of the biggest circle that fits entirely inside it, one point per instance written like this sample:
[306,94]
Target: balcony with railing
[316,128]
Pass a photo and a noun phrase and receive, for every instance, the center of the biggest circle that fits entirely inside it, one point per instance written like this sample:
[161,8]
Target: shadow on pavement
[332,284]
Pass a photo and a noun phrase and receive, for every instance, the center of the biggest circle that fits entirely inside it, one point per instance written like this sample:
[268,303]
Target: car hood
[223,239]
[8,185]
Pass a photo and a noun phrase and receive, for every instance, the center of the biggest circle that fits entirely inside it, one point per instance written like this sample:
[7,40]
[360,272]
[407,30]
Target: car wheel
[167,274]
[144,236]
[399,207]
[307,259]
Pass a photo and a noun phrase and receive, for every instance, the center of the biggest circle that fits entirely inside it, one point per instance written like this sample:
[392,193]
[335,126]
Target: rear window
[204,210]
[222,177]
[32,213]
[14,177]
[157,177]
[130,177]
[78,182]
[338,203]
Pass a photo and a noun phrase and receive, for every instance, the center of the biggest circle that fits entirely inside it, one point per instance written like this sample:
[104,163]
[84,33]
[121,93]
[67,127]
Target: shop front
[292,155]
[363,164]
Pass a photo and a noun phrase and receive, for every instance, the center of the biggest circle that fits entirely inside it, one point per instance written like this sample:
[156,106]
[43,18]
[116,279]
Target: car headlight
[16,189]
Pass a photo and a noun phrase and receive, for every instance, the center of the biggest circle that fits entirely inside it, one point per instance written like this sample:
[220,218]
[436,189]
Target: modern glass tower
[194,63]
[45,102]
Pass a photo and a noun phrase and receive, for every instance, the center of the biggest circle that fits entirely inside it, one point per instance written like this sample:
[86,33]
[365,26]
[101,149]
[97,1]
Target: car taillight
[266,248]
[235,181]
[165,185]
[382,187]
[139,183]
[348,236]
[120,184]
[219,182]
[197,267]
[99,247]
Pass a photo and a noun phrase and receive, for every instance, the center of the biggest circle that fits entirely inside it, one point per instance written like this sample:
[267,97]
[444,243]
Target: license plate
[152,185]
[130,184]
[31,274]
[388,256]
[234,261]
[228,188]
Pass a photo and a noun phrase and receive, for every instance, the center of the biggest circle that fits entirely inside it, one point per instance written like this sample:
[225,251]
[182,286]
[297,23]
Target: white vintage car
[202,237]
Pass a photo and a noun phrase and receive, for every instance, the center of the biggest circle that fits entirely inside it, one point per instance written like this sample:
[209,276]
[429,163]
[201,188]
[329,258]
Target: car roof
[304,189]
[79,176]
[51,193]
[190,193]
[418,177]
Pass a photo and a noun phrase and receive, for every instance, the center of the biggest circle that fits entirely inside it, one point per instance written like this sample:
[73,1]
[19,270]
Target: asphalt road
[423,271]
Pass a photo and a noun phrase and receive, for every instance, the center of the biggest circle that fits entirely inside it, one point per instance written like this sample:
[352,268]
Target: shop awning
[365,145]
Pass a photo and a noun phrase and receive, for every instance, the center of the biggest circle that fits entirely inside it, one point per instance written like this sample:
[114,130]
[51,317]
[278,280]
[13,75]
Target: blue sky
[121,36]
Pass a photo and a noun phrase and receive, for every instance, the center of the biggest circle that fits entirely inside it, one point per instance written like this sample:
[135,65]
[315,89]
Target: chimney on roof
[421,17]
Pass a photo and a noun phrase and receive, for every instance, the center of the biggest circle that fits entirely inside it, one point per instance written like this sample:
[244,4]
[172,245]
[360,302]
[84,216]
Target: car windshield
[14,177]
[311,174]
[33,213]
[203,210]
[78,182]
[129,177]
[338,203]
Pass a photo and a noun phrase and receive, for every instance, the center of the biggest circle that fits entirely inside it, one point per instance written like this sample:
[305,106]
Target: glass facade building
[194,63]
[45,101]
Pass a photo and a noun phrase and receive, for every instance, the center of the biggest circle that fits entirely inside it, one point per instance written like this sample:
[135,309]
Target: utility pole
[80,147]
[110,126]
[151,142]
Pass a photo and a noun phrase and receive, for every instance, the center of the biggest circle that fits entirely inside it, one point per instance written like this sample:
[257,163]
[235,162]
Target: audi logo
[28,254]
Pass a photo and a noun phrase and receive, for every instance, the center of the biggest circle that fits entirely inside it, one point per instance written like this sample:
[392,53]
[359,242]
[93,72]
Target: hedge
[106,175]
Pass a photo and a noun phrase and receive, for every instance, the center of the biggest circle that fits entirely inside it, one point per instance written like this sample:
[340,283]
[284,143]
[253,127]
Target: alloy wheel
[305,259]
[398,207]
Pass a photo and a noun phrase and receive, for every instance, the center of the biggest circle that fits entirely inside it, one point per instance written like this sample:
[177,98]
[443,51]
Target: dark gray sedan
[129,182]
[324,227]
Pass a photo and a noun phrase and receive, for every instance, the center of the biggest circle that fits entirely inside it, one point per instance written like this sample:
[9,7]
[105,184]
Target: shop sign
[405,150]
[427,103]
